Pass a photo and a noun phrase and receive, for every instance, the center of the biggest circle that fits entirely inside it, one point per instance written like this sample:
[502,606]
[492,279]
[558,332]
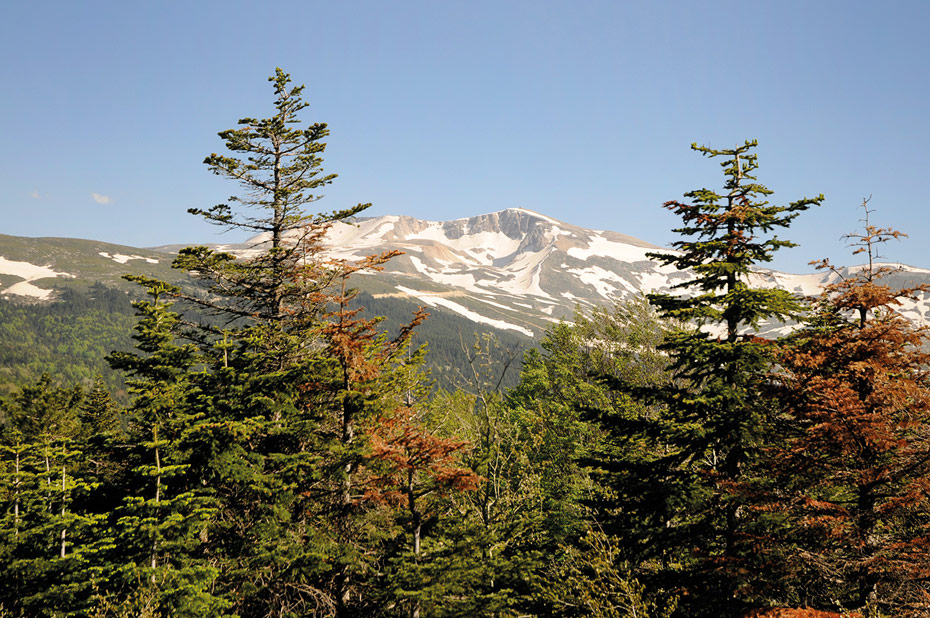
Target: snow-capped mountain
[514,270]
[520,270]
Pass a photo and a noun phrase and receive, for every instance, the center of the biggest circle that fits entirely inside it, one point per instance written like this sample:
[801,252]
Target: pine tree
[290,373]
[100,415]
[856,391]
[257,331]
[715,417]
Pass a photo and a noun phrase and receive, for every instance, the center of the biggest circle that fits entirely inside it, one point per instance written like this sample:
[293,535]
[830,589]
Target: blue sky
[442,109]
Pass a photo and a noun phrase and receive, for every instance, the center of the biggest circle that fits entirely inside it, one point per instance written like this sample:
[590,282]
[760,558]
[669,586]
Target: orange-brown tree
[415,470]
[363,383]
[856,469]
[415,466]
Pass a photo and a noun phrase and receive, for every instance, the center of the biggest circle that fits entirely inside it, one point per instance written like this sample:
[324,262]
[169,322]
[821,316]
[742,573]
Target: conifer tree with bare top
[279,168]
[855,386]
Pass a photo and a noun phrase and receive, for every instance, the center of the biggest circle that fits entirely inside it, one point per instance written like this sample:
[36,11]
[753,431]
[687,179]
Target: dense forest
[283,453]
[71,338]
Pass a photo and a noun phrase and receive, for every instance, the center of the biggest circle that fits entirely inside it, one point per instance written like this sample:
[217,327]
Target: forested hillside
[69,339]
[283,453]
[451,342]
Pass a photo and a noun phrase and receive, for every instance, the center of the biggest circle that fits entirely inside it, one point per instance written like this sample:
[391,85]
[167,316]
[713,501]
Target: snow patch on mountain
[604,281]
[598,245]
[458,280]
[523,274]
[481,248]
[651,281]
[119,258]
[28,272]
[434,300]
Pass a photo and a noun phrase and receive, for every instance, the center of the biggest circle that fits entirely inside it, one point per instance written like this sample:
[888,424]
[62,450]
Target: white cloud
[101,199]
[35,195]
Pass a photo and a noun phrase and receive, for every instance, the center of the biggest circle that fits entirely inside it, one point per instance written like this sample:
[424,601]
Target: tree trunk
[64,528]
[416,524]
[865,524]
[16,483]
[48,480]
[154,561]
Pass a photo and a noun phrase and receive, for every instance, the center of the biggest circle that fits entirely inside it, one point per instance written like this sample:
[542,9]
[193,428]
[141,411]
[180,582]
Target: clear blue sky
[442,109]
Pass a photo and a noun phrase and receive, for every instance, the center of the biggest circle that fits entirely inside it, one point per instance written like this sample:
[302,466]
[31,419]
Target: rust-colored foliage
[353,342]
[349,337]
[787,612]
[857,388]
[414,462]
[412,467]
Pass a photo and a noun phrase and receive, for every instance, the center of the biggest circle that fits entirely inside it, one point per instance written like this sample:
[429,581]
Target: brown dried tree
[855,472]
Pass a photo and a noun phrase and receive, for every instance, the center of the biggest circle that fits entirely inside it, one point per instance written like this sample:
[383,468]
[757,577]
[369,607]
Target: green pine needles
[715,418]
[726,238]
[278,165]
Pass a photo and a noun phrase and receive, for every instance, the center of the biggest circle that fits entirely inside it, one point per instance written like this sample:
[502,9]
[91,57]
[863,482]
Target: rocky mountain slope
[518,270]
[514,270]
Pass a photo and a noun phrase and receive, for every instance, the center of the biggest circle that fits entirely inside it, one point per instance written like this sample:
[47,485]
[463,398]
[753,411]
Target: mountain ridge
[515,269]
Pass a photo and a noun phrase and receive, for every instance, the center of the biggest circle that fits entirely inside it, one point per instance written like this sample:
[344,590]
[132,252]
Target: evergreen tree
[290,377]
[280,175]
[49,545]
[259,334]
[360,377]
[713,426]
[586,441]
[160,555]
[99,414]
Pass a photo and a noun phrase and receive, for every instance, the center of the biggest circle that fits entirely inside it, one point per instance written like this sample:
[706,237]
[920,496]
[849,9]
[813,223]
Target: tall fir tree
[280,174]
[289,375]
[715,415]
[256,322]
[160,559]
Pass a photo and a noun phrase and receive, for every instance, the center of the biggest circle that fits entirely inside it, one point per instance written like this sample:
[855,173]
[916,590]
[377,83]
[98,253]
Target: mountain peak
[519,211]
[508,262]
[514,269]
